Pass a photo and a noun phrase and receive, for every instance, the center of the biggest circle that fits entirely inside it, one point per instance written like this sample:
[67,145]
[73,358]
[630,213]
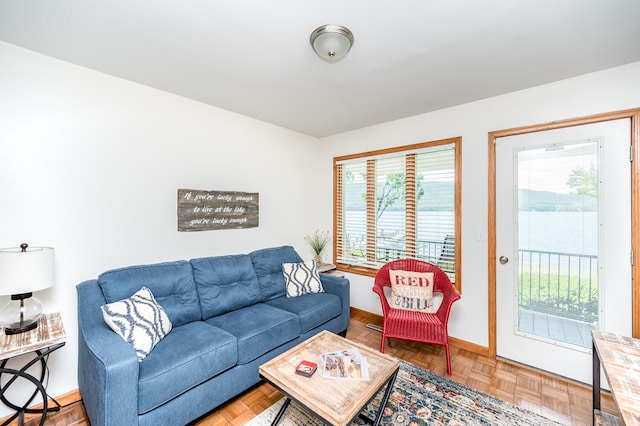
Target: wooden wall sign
[209,210]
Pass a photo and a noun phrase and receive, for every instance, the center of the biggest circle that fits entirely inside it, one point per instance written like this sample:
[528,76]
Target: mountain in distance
[438,196]
[546,201]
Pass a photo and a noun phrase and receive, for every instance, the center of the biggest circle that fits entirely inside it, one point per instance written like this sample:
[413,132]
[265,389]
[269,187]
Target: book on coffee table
[345,364]
[306,368]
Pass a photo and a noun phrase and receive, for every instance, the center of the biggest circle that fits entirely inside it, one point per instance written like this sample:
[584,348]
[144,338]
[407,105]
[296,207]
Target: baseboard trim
[453,341]
[469,346]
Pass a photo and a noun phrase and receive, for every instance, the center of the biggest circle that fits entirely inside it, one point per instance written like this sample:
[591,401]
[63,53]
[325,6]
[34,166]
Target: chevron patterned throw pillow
[139,320]
[302,278]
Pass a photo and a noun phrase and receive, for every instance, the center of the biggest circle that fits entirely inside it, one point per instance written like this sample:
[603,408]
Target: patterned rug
[421,397]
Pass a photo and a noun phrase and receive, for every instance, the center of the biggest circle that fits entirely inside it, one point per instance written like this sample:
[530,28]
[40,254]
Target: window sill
[359,270]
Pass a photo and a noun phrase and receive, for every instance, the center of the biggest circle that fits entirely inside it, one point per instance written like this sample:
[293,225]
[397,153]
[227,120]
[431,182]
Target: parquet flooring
[564,401]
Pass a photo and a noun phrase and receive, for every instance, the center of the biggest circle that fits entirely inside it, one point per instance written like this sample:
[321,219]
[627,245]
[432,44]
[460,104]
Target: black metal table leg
[596,379]
[41,357]
[281,412]
[20,411]
[383,403]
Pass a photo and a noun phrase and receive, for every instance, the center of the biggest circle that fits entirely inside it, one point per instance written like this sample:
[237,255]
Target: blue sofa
[229,314]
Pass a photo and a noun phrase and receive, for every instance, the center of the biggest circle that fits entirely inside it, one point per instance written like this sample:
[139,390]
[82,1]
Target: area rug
[421,397]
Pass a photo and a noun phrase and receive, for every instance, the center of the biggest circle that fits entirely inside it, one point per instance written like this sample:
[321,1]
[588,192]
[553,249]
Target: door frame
[634,116]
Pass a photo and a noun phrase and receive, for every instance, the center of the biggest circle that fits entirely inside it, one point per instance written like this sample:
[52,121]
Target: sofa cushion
[312,310]
[258,328]
[188,356]
[267,264]
[139,320]
[225,283]
[171,283]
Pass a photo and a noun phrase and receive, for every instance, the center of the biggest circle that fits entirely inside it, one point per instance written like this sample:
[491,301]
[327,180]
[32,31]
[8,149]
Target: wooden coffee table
[334,401]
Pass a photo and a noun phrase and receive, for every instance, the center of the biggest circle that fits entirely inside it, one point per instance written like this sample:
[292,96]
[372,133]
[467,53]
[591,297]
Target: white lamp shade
[26,271]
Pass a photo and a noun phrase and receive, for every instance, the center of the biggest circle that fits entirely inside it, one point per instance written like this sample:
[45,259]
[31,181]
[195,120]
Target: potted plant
[318,241]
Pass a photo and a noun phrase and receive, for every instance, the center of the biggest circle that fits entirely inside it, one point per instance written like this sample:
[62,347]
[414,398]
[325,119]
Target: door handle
[503,259]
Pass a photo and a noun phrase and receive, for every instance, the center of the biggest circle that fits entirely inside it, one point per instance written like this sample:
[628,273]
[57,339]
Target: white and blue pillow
[139,320]
[302,278]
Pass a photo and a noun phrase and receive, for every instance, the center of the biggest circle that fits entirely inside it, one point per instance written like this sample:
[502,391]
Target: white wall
[91,165]
[610,90]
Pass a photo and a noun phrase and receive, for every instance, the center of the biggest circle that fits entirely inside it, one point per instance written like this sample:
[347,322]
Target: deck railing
[392,247]
[561,284]
[552,283]
[441,252]
[425,249]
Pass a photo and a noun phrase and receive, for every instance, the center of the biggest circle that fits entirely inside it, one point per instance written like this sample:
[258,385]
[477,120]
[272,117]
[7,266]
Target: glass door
[563,244]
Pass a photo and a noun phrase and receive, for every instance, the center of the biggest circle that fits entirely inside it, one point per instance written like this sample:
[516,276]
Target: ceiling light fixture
[331,42]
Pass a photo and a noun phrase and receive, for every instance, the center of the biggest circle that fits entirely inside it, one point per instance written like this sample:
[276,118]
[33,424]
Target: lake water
[566,232]
[392,220]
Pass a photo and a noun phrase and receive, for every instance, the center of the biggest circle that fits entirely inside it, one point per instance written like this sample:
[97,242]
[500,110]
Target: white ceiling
[254,57]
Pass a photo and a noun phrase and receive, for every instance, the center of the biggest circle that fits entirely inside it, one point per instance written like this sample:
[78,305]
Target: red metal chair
[417,326]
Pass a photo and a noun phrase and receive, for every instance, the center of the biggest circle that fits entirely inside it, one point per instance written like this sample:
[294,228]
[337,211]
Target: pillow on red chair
[412,291]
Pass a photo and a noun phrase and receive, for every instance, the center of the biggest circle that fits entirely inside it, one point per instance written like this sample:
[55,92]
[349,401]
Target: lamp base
[20,327]
[21,314]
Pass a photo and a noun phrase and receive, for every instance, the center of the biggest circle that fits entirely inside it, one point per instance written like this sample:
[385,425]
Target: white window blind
[397,204]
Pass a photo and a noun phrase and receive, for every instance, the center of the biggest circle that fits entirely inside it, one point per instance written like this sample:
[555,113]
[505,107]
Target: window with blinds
[398,203]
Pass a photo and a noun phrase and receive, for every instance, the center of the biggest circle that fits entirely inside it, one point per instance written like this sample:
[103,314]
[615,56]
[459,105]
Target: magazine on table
[345,364]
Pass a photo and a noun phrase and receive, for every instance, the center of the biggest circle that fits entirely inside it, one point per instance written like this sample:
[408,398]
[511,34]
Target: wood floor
[564,401]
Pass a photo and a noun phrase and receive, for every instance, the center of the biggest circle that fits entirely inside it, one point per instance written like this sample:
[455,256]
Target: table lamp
[24,270]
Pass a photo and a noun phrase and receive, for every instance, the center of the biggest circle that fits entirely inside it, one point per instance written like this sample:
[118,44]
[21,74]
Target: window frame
[337,203]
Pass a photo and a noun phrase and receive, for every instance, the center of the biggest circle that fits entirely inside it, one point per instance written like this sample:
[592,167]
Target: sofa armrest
[341,287]
[107,365]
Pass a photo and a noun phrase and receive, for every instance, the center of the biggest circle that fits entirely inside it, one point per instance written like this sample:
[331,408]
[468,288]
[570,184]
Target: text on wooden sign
[209,210]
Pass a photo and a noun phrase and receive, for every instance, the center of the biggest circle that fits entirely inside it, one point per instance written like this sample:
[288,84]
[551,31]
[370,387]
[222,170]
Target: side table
[41,341]
[325,267]
[619,357]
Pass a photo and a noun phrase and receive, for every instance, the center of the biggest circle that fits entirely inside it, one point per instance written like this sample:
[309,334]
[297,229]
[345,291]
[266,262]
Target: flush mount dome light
[331,42]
